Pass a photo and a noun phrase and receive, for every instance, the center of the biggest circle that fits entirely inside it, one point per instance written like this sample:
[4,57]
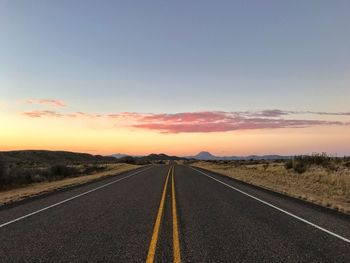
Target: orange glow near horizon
[93,136]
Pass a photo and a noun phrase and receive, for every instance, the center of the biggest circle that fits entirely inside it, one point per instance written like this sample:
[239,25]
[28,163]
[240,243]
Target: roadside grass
[39,188]
[327,185]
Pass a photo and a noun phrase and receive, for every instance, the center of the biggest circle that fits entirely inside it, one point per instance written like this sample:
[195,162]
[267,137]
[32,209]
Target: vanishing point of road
[171,213]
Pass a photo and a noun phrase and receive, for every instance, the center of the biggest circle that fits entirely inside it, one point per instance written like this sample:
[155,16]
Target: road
[171,213]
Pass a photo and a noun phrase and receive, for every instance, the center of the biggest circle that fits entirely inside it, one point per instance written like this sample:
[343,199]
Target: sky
[136,77]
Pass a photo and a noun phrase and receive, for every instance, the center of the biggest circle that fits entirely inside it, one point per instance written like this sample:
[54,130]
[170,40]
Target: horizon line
[185,156]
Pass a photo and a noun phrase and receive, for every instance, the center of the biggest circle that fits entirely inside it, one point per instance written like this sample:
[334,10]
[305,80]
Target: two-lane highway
[171,213]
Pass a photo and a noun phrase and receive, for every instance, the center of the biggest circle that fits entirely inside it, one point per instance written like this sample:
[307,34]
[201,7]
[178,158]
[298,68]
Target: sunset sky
[179,77]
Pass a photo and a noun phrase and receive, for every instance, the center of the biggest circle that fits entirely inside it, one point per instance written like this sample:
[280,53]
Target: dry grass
[317,185]
[45,187]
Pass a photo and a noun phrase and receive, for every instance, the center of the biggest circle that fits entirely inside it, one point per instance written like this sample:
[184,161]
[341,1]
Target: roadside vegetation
[21,168]
[40,180]
[29,173]
[317,178]
[33,172]
[26,168]
[18,175]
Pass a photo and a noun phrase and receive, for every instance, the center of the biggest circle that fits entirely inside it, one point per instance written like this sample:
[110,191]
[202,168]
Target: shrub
[37,177]
[60,170]
[289,164]
[300,167]
[144,162]
[93,168]
[347,164]
[2,169]
[127,159]
[3,174]
[21,175]
[317,159]
[303,161]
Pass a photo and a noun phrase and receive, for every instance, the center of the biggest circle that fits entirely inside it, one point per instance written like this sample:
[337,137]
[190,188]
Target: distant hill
[49,157]
[208,156]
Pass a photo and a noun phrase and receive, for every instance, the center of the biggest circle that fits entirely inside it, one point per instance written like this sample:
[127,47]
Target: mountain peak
[204,155]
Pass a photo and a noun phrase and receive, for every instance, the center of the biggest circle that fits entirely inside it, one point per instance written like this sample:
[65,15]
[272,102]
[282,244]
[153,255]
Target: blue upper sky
[176,56]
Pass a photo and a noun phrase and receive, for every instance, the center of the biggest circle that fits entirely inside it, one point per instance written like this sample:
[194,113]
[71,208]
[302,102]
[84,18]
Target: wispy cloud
[205,121]
[328,113]
[50,102]
[55,114]
[44,113]
[279,113]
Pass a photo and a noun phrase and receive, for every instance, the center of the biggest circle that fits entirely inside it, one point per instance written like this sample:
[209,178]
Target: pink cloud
[50,102]
[206,116]
[205,121]
[219,122]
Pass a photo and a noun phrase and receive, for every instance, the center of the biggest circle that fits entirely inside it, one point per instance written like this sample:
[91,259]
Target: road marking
[71,198]
[153,244]
[176,242]
[277,208]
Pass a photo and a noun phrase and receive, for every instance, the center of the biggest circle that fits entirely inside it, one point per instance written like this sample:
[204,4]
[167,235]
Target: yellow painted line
[153,244]
[176,242]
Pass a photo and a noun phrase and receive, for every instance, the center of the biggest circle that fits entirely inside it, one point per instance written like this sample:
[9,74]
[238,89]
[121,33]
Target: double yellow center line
[155,235]
[176,242]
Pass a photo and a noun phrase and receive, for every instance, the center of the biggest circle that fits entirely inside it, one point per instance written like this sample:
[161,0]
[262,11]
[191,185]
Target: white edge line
[277,208]
[71,198]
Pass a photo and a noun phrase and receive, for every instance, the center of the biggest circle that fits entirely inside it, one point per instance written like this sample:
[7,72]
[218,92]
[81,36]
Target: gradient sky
[230,77]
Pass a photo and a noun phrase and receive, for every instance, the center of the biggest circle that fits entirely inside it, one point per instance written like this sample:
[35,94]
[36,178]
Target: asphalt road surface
[171,213]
